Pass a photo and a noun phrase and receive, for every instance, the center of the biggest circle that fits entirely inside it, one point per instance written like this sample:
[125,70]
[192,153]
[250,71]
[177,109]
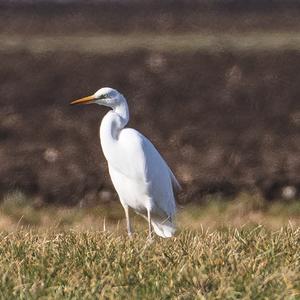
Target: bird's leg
[149,225]
[128,224]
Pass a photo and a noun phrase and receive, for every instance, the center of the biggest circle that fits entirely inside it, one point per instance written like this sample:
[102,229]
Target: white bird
[141,177]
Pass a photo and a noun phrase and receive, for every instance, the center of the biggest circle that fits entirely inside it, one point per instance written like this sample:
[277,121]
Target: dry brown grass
[221,264]
[219,252]
[251,210]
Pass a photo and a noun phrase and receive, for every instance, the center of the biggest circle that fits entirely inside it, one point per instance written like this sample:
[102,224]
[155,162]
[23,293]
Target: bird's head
[105,96]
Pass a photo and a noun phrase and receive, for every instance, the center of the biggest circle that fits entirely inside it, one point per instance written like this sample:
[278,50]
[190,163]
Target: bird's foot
[150,239]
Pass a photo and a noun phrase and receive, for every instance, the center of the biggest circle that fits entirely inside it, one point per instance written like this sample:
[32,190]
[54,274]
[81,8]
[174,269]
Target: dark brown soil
[48,18]
[225,122]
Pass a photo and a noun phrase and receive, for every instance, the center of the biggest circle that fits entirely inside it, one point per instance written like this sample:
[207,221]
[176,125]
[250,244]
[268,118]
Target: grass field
[17,210]
[249,263]
[239,249]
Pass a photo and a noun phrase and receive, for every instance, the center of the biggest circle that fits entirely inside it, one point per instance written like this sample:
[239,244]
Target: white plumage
[141,177]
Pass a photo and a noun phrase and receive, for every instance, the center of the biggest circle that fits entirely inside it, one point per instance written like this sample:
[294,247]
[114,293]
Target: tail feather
[163,228]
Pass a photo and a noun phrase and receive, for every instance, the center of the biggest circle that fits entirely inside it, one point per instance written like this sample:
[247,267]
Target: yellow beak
[85,100]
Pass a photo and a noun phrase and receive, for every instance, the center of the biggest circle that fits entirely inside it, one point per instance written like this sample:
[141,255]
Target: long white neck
[112,124]
[123,111]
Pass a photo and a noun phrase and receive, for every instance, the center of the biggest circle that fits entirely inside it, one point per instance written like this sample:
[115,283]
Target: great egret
[141,177]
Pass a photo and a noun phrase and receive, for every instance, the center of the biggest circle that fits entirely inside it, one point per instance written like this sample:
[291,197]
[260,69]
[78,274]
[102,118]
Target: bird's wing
[176,185]
[146,164]
[156,157]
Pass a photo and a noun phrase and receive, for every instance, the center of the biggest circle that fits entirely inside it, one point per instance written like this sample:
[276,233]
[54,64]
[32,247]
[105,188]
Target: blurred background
[214,84]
